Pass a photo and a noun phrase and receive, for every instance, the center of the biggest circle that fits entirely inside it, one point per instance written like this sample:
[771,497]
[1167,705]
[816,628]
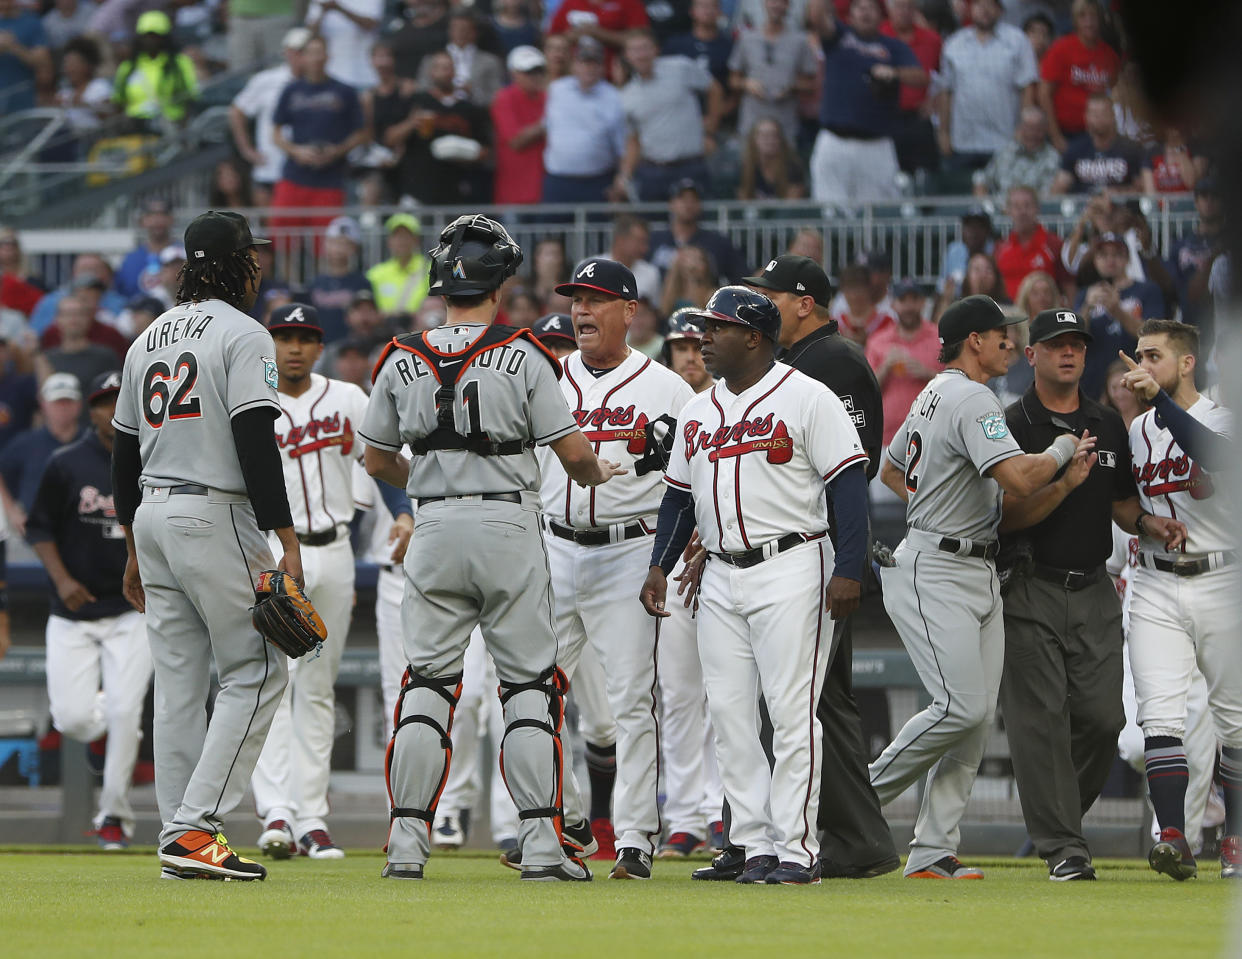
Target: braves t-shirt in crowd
[854,105]
[318,113]
[1075,72]
[1143,301]
[1116,165]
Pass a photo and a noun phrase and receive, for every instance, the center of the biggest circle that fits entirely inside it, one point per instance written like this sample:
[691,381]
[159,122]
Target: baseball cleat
[793,874]
[276,841]
[569,871]
[578,840]
[1231,857]
[715,836]
[601,829]
[448,833]
[1072,869]
[724,868]
[679,845]
[631,864]
[110,834]
[947,867]
[832,870]
[757,870]
[201,852]
[1171,855]
[512,857]
[167,872]
[402,870]
[319,845]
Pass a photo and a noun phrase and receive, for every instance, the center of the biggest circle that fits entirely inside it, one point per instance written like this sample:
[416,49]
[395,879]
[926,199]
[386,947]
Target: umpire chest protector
[448,369]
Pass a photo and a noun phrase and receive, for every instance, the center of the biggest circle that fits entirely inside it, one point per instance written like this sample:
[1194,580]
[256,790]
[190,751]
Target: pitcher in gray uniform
[196,479]
[471,401]
[950,461]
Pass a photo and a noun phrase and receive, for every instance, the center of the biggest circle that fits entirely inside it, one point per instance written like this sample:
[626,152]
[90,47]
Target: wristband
[1063,449]
[1138,522]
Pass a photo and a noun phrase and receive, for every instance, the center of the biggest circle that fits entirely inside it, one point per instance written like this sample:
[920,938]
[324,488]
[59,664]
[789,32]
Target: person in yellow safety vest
[400,283]
[157,80]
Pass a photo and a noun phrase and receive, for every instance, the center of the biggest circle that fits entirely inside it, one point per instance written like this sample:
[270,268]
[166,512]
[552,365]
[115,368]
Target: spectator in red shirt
[916,137]
[606,20]
[1170,168]
[517,121]
[1029,247]
[16,290]
[860,317]
[904,355]
[1075,66]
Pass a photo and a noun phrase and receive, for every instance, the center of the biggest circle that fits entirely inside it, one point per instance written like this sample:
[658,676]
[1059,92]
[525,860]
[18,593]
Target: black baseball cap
[972,314]
[977,212]
[877,259]
[295,316]
[364,295]
[217,233]
[104,385]
[799,275]
[905,286]
[681,186]
[1052,323]
[1115,239]
[554,326]
[606,276]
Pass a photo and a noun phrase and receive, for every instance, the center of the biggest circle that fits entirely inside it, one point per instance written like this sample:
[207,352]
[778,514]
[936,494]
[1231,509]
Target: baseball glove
[284,616]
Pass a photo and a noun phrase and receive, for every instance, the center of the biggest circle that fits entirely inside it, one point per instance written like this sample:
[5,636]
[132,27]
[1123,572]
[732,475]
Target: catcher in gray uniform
[471,401]
[950,461]
[196,477]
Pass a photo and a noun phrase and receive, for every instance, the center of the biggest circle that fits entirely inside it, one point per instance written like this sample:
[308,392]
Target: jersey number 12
[914,453]
[168,392]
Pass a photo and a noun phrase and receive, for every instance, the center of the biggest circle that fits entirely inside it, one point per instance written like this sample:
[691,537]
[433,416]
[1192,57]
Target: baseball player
[94,637]
[316,434]
[1183,606]
[749,464]
[598,543]
[949,461]
[470,400]
[196,479]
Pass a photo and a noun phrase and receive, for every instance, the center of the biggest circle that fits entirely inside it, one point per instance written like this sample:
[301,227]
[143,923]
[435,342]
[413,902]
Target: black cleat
[793,874]
[578,840]
[1071,869]
[832,870]
[757,869]
[631,864]
[569,871]
[402,870]
[724,868]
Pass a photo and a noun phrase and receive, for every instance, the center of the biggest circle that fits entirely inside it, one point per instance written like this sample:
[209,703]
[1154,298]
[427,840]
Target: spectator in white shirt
[349,28]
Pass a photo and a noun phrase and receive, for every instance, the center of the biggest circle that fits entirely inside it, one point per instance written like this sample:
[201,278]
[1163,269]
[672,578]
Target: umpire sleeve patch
[994,426]
[857,416]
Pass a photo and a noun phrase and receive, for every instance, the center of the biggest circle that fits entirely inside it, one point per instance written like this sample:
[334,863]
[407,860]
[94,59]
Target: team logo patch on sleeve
[994,426]
[270,376]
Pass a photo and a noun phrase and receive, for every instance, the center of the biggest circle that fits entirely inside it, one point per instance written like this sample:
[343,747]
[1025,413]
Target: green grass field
[77,904]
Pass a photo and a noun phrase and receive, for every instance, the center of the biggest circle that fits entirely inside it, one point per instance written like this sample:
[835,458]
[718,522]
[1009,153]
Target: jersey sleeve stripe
[1000,457]
[552,437]
[372,441]
[125,427]
[675,484]
[857,458]
[252,404]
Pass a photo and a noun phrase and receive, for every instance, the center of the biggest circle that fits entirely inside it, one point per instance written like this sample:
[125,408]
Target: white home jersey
[756,462]
[1170,483]
[613,411]
[317,436]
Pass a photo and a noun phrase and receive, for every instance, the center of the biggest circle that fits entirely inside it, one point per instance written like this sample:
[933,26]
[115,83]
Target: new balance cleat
[319,845]
[1171,855]
[571,870]
[201,852]
[947,867]
[679,845]
[111,835]
[578,840]
[793,874]
[276,840]
[757,870]
[448,833]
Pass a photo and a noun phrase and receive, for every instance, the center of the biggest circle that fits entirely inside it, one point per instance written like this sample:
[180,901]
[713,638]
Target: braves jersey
[756,461]
[954,433]
[1170,483]
[318,447]
[185,378]
[508,392]
[613,411]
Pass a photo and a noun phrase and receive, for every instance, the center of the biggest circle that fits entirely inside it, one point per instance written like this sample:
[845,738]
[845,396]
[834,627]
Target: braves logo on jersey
[1174,474]
[730,441]
[620,423]
[318,434]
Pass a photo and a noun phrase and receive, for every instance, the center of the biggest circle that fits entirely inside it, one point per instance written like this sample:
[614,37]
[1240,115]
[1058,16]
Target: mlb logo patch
[1107,458]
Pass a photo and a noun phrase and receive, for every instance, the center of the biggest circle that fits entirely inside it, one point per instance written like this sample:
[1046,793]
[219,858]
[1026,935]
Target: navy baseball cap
[905,287]
[799,275]
[1052,323]
[554,326]
[104,385]
[295,316]
[972,314]
[217,233]
[603,275]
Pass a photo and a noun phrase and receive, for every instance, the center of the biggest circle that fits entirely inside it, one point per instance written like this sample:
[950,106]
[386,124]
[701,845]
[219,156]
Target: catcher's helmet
[476,254]
[738,304]
[685,324]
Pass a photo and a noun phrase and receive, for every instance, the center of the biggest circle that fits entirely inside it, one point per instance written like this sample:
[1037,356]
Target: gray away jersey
[955,432]
[185,378]
[509,392]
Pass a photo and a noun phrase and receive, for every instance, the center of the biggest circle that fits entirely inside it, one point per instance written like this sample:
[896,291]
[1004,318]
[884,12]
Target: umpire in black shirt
[856,839]
[1060,692]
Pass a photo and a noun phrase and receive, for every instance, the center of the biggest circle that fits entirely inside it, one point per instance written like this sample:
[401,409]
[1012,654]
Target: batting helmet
[738,304]
[685,324]
[476,254]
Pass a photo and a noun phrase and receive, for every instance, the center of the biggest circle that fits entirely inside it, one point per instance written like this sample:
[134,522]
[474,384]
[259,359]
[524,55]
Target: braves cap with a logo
[295,316]
[217,233]
[799,275]
[1052,323]
[104,385]
[554,326]
[606,276]
[972,314]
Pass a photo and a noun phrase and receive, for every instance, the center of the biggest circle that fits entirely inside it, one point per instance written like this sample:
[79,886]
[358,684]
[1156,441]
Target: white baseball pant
[848,171]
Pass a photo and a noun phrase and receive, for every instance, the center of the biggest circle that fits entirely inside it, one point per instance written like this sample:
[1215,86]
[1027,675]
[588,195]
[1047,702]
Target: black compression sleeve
[1205,446]
[674,527]
[126,469]
[848,492]
[261,467]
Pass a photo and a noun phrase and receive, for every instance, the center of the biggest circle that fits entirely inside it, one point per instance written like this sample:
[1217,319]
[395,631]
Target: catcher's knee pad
[425,704]
[533,711]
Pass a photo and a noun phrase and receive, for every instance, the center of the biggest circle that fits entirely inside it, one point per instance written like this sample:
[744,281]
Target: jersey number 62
[166,393]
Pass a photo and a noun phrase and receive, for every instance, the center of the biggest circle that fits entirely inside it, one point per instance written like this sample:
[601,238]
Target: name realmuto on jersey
[191,327]
[503,359]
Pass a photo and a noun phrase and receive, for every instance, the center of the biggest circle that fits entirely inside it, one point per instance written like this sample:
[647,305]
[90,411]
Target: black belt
[1071,579]
[319,539]
[951,544]
[187,489]
[596,537]
[492,497]
[854,133]
[753,557]
[1188,567]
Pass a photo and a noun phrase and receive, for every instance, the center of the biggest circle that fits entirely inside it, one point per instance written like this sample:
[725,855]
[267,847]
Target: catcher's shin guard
[533,714]
[417,762]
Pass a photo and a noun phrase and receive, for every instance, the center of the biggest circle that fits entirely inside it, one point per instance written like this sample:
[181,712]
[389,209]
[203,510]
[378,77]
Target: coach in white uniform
[749,464]
[318,448]
[599,540]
